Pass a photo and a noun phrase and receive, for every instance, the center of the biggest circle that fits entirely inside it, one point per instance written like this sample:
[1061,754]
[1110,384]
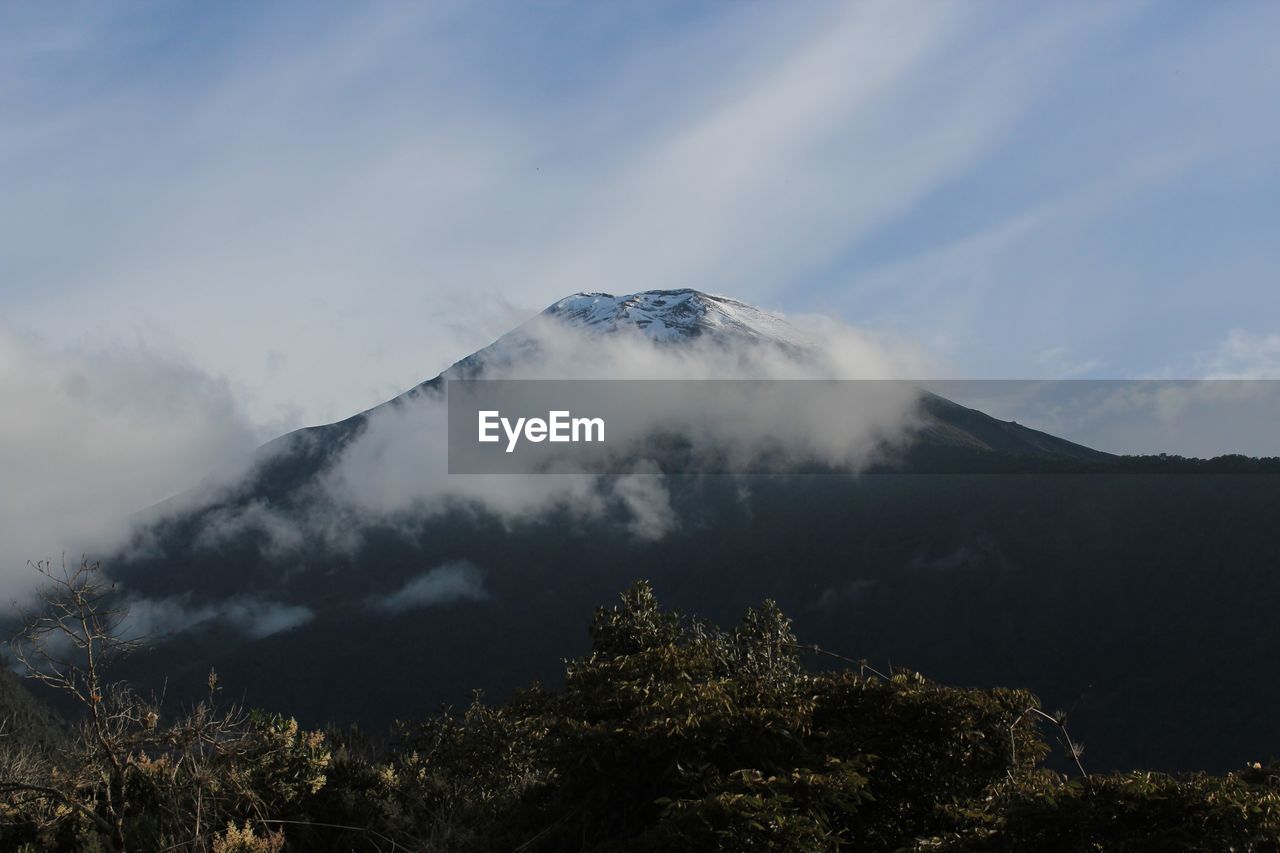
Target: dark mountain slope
[1113,594]
[25,719]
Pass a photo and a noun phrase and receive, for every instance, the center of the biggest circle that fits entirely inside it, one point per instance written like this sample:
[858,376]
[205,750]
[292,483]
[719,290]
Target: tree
[132,774]
[67,644]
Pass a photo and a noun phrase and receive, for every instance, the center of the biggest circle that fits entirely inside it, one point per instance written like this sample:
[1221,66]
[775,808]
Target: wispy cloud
[1244,355]
[446,584]
[154,619]
[344,194]
[395,472]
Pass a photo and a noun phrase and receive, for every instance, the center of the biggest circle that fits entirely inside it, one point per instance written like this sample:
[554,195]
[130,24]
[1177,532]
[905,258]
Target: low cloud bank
[107,432]
[90,435]
[399,464]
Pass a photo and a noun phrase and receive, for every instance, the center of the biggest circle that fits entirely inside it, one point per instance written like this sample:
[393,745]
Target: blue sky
[222,221]
[318,205]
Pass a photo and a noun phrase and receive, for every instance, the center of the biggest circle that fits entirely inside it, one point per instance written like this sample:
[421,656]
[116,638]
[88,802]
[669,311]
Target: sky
[220,222]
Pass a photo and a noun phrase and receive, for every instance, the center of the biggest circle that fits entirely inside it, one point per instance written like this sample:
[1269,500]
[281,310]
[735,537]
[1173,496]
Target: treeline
[956,460]
[671,734]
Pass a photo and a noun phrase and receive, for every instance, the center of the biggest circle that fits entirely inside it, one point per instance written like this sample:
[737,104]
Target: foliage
[134,776]
[243,839]
[671,734]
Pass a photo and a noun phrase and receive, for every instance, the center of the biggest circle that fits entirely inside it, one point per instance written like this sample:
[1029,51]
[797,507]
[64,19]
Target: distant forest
[980,461]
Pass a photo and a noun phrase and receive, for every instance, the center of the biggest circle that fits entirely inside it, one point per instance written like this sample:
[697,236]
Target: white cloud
[1244,355]
[647,504]
[90,435]
[445,584]
[395,471]
[398,465]
[157,618]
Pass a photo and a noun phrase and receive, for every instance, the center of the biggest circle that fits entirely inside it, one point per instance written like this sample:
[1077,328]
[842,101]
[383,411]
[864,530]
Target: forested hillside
[671,734]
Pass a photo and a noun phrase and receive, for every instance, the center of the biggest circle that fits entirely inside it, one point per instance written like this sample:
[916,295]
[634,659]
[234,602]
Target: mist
[92,434]
[398,466]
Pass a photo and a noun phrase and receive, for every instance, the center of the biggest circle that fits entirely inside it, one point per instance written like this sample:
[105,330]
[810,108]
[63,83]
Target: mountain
[664,317]
[945,425]
[24,719]
[983,552]
[946,435]
[674,315]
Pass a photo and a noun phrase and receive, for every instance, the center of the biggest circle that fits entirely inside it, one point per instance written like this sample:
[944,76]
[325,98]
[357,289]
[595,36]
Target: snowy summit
[665,315]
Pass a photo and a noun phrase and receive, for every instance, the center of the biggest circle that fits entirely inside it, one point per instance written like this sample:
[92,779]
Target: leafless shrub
[192,774]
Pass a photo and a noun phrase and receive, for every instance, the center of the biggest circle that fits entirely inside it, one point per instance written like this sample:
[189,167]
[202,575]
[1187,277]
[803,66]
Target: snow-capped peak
[667,315]
[664,317]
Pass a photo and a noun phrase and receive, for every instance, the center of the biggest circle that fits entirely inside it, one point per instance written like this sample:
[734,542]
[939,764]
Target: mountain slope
[950,425]
[25,719]
[1098,590]
[671,318]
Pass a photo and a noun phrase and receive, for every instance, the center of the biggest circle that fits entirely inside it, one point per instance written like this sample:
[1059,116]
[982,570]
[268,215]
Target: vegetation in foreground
[672,734]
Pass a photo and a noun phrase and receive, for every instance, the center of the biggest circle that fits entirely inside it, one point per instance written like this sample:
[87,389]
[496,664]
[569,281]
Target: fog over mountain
[90,435]
[387,466]
[967,544]
[390,460]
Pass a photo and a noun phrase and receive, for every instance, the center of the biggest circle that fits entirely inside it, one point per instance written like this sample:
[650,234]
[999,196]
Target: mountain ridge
[976,579]
[670,318]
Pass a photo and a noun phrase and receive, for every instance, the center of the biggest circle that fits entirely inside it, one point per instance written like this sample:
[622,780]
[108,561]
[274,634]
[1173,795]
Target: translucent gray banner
[866,426]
